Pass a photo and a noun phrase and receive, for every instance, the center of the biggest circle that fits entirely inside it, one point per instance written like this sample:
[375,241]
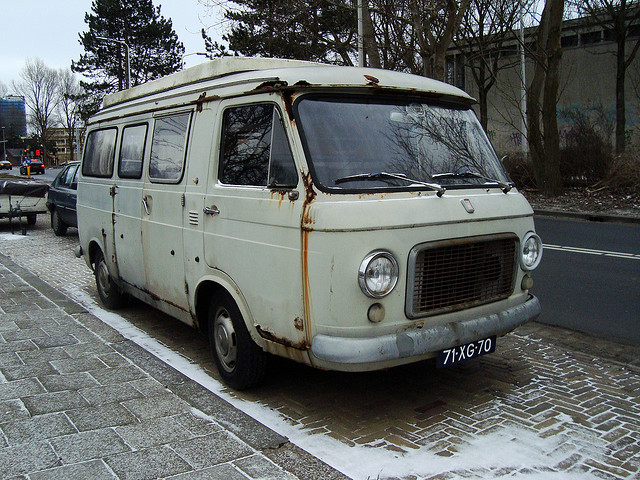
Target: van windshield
[363,144]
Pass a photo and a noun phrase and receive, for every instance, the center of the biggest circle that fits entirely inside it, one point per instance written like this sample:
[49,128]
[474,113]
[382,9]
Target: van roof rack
[218,67]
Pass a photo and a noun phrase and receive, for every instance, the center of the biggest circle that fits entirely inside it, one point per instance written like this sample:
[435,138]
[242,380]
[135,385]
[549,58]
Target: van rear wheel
[241,363]
[109,292]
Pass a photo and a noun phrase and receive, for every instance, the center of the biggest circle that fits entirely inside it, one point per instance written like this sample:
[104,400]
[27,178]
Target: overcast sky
[49,29]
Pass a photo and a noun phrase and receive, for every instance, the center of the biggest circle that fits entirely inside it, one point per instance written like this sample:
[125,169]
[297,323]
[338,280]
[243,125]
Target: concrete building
[587,84]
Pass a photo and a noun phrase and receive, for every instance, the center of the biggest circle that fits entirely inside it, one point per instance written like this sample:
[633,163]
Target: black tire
[110,294]
[241,363]
[31,219]
[57,224]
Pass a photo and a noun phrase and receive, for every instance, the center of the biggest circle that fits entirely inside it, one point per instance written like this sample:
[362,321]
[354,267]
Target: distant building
[587,84]
[66,148]
[13,116]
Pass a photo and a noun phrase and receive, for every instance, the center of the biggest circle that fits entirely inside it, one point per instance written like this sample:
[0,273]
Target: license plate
[462,353]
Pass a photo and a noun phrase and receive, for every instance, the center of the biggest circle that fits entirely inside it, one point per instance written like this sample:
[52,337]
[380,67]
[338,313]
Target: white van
[347,218]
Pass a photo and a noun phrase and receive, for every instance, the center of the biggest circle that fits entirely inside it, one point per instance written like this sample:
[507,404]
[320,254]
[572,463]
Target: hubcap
[103,278]
[225,340]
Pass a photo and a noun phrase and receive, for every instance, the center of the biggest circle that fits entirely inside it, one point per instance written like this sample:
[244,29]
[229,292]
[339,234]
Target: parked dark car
[36,166]
[5,165]
[61,200]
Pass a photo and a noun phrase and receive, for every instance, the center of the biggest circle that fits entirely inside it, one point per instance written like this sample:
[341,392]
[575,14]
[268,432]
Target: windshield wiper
[439,189]
[505,187]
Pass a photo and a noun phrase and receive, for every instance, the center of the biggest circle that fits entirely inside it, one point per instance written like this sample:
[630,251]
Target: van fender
[219,279]
[96,243]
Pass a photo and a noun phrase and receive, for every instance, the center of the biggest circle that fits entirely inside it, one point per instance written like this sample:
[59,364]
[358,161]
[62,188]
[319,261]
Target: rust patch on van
[305,229]
[202,99]
[302,345]
[298,323]
[309,196]
[287,97]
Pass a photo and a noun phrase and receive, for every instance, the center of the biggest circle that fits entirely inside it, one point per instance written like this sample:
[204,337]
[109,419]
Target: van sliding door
[162,215]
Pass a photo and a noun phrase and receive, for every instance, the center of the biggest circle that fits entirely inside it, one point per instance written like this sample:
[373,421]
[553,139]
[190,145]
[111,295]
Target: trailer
[22,199]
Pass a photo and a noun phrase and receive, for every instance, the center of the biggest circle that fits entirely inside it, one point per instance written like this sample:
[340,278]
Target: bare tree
[542,99]
[38,85]
[70,98]
[485,27]
[616,17]
[3,89]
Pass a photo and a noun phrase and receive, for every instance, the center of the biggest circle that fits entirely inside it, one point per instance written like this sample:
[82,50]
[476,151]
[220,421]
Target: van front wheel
[109,293]
[241,363]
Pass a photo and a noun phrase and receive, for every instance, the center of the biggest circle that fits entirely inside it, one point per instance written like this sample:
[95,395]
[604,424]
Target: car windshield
[362,143]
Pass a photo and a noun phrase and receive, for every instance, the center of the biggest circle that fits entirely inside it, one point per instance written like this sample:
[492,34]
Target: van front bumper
[422,342]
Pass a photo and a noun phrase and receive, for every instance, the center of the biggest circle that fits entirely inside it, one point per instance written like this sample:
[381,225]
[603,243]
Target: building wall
[587,87]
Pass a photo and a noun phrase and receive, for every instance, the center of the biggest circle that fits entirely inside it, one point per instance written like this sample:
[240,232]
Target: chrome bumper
[426,340]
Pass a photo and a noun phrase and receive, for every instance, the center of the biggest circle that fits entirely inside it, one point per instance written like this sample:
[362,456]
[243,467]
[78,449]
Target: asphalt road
[589,277]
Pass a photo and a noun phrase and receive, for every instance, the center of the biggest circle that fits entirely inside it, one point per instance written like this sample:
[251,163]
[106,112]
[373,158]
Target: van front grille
[456,274]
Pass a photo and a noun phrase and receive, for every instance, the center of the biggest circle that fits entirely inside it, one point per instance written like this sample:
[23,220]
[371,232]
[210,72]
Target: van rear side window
[132,151]
[99,153]
[168,148]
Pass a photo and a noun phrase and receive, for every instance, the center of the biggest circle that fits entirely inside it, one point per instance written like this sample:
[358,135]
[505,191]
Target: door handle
[213,210]
[145,205]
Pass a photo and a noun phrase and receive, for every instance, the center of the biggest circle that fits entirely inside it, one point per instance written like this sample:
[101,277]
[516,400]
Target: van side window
[168,148]
[99,153]
[132,151]
[255,150]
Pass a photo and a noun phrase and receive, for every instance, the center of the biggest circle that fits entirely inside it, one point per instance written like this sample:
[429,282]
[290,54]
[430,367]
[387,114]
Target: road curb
[585,216]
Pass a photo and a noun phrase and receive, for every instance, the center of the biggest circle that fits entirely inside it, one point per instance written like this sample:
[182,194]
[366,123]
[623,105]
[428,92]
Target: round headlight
[531,252]
[378,274]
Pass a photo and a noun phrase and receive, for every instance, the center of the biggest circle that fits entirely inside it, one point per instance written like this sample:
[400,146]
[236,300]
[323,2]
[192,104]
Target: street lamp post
[4,146]
[127,80]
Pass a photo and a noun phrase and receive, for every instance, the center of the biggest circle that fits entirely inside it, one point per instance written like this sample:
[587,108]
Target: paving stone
[147,464]
[110,394]
[17,346]
[55,341]
[40,427]
[93,470]
[30,357]
[157,406]
[54,402]
[153,433]
[12,410]
[106,415]
[109,376]
[74,365]
[20,388]
[219,447]
[27,371]
[89,445]
[219,472]
[26,458]
[25,334]
[256,466]
[71,381]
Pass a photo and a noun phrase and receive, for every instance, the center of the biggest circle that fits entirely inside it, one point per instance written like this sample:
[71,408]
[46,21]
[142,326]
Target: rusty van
[347,218]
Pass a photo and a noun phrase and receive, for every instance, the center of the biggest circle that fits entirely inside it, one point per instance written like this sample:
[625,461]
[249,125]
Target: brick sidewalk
[548,402]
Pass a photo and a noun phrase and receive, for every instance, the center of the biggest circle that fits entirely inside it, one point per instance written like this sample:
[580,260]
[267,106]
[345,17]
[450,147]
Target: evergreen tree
[154,48]
[320,30]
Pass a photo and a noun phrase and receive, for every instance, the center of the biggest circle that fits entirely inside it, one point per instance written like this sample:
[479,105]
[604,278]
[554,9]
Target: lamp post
[4,146]
[127,79]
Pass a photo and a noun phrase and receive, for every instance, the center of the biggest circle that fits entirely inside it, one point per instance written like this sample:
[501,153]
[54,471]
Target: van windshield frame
[365,143]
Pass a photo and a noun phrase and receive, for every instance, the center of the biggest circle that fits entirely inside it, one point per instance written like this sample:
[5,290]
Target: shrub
[520,170]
